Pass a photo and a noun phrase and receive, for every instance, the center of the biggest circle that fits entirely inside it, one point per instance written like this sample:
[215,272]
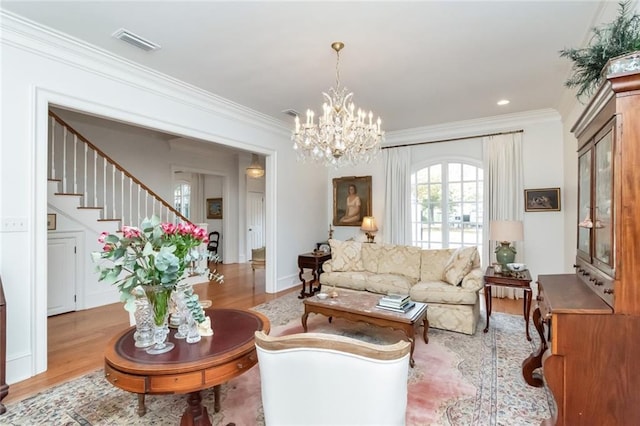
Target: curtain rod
[453,139]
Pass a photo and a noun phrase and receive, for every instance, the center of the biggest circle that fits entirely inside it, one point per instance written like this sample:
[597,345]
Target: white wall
[41,68]
[543,167]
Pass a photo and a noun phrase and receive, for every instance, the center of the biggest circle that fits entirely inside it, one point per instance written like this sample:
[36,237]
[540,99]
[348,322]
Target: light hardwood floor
[77,339]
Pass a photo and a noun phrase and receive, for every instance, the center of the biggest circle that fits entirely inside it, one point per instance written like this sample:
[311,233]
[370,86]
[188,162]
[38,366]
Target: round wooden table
[188,368]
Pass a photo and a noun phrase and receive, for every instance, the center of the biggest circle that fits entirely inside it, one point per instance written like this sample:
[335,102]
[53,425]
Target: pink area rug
[458,380]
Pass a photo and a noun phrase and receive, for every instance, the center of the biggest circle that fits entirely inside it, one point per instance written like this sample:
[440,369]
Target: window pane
[447,207]
[455,172]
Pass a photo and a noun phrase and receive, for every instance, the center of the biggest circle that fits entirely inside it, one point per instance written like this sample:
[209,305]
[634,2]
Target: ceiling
[413,63]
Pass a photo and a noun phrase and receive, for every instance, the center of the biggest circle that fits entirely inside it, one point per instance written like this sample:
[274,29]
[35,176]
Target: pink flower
[107,247]
[130,232]
[168,228]
[185,228]
[200,234]
[102,237]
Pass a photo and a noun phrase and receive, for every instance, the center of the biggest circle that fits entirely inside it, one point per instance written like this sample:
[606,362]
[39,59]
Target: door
[61,275]
[255,221]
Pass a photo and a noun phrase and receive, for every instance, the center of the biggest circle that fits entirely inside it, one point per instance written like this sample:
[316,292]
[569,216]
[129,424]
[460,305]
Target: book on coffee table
[403,309]
[394,300]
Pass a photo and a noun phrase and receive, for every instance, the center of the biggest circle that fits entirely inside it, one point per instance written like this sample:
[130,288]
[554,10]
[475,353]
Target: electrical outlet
[14,224]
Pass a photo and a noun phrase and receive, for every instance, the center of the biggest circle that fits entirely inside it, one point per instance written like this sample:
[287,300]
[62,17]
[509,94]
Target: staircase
[88,186]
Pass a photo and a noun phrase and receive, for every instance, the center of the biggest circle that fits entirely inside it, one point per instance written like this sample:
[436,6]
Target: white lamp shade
[506,230]
[369,224]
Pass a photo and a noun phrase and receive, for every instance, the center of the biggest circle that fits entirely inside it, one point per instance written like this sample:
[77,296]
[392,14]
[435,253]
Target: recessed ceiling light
[502,102]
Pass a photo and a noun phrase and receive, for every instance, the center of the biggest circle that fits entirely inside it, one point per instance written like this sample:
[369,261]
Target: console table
[314,262]
[521,279]
[188,368]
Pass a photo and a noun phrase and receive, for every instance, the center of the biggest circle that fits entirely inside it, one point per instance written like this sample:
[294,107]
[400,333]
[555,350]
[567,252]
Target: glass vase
[144,322]
[159,297]
[182,311]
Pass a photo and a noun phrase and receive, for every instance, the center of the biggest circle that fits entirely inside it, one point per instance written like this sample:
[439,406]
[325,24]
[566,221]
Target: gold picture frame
[51,221]
[349,210]
[542,200]
[214,208]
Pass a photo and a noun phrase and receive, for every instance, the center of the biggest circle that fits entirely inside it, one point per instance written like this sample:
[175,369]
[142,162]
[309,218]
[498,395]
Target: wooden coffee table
[188,368]
[361,306]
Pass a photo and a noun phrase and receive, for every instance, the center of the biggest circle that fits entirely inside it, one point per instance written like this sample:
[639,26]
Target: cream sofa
[448,280]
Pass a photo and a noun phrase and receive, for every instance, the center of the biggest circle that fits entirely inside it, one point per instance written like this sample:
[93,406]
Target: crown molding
[468,128]
[24,34]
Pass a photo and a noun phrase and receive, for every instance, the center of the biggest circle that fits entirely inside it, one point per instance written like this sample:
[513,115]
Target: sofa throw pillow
[346,256]
[459,264]
[400,260]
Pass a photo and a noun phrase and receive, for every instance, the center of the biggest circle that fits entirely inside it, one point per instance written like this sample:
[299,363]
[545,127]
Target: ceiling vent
[135,40]
[291,112]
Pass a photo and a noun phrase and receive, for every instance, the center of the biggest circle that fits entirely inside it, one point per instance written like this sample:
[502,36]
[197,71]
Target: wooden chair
[352,382]
[258,261]
[212,245]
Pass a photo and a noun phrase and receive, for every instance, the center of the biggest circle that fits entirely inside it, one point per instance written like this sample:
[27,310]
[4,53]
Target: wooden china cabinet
[591,360]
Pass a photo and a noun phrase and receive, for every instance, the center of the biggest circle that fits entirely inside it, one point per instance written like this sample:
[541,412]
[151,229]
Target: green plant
[616,38]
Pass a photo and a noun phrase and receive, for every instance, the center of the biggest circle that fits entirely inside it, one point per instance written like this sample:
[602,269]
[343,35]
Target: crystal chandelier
[342,135]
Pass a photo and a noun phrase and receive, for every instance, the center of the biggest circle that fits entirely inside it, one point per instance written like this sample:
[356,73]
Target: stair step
[69,193]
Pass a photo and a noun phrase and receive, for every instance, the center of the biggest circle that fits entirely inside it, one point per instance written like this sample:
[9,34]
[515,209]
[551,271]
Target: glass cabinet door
[603,203]
[585,223]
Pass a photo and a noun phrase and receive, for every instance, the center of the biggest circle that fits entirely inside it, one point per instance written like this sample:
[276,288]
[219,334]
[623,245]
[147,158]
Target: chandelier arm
[337,69]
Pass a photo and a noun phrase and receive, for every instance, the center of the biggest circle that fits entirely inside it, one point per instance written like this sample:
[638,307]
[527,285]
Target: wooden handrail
[118,166]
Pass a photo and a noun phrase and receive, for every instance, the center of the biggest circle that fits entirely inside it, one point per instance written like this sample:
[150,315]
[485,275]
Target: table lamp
[369,227]
[505,231]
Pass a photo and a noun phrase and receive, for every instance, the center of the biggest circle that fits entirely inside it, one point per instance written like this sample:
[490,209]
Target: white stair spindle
[75,164]
[53,148]
[64,161]
[104,187]
[85,185]
[113,191]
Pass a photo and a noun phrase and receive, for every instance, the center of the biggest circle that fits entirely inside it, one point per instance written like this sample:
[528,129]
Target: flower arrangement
[155,255]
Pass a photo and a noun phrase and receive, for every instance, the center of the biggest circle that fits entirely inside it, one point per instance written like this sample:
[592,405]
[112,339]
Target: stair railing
[85,170]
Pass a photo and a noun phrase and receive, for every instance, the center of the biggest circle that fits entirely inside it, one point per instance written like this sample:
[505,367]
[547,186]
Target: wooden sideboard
[590,353]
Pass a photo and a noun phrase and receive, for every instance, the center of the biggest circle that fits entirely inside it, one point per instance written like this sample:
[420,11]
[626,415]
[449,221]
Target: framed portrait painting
[351,200]
[214,208]
[542,200]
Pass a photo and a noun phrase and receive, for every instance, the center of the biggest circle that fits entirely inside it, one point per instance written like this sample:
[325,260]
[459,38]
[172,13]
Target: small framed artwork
[51,221]
[351,200]
[214,208]
[542,200]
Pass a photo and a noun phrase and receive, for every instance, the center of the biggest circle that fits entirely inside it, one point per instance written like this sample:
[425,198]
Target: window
[446,205]
[181,198]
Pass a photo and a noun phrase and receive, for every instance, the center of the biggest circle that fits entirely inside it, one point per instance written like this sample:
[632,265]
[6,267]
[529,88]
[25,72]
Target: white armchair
[324,379]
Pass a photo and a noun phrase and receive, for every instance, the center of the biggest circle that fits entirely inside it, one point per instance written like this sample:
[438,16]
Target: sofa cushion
[459,265]
[346,256]
[400,260]
[388,283]
[371,254]
[432,263]
[442,292]
[352,280]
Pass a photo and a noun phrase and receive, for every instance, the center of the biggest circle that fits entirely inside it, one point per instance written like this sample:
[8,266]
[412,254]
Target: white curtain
[397,200]
[503,192]
[197,200]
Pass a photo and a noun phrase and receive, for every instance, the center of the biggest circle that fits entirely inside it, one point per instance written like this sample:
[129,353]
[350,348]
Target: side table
[521,279]
[314,262]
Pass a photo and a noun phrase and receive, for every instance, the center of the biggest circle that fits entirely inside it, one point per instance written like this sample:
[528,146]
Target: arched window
[446,205]
[182,198]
